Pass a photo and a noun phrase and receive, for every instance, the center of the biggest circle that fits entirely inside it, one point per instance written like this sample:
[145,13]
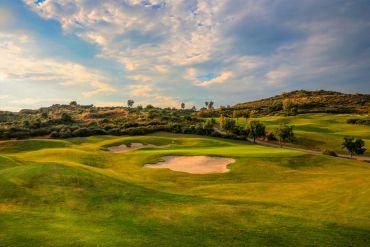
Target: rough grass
[319,131]
[81,195]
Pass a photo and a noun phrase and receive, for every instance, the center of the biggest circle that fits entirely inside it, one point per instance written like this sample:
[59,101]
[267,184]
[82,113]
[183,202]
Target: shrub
[256,130]
[65,118]
[81,132]
[358,121]
[330,153]
[354,146]
[228,124]
[271,137]
[285,133]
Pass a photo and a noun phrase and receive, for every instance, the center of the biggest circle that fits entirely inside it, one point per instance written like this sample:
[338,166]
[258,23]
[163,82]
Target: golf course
[77,192]
[319,131]
[177,123]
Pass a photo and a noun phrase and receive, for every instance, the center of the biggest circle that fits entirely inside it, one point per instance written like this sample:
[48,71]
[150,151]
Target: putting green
[76,193]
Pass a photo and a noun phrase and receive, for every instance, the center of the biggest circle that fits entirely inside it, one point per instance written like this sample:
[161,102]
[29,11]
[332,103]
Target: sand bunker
[194,164]
[124,148]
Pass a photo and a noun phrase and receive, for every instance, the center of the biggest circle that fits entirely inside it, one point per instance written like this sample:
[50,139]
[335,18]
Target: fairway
[76,193]
[318,131]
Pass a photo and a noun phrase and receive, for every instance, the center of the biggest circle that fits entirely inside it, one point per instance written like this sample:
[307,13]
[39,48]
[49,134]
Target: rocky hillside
[302,101]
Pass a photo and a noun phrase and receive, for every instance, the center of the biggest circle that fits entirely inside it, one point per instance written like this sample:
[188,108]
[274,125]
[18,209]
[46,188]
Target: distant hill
[302,101]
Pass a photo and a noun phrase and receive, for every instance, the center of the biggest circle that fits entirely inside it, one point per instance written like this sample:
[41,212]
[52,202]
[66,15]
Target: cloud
[221,78]
[140,78]
[277,76]
[108,103]
[35,102]
[148,94]
[20,61]
[4,97]
[243,46]
[161,68]
[99,88]
[141,90]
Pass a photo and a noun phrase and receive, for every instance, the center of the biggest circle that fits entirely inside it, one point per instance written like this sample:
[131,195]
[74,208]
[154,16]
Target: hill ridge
[305,101]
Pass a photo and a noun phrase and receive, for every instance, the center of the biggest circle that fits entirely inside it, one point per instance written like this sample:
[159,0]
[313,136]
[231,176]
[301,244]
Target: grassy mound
[31,145]
[81,195]
[319,131]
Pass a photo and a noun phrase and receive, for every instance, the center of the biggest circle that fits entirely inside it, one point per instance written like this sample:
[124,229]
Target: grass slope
[81,195]
[319,131]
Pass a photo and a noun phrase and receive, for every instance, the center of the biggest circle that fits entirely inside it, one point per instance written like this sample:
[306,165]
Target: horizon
[124,104]
[163,53]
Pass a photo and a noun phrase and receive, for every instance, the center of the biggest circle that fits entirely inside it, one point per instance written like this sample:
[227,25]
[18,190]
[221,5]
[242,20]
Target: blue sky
[167,52]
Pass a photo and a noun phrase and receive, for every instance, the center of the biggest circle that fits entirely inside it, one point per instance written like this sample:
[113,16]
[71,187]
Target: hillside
[302,101]
[75,120]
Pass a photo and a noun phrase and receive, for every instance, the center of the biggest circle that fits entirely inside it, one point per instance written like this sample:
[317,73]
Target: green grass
[319,131]
[77,194]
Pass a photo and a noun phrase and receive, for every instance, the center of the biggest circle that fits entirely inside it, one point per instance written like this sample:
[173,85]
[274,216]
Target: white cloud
[141,90]
[159,101]
[146,38]
[99,88]
[108,103]
[148,94]
[33,102]
[250,45]
[277,76]
[19,61]
[161,68]
[140,78]
[221,78]
[4,97]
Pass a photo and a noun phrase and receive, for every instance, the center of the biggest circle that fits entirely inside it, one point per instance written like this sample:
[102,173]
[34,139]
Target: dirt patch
[124,148]
[194,164]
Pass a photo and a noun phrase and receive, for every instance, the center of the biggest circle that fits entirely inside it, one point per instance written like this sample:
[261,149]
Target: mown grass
[319,131]
[81,195]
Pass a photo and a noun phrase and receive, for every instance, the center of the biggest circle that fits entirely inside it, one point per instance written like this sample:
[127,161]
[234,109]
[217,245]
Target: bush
[81,132]
[285,133]
[256,130]
[271,137]
[228,124]
[358,121]
[65,118]
[330,153]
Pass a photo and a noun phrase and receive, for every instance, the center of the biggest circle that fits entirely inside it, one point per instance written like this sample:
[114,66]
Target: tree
[183,105]
[354,146]
[73,103]
[130,103]
[256,130]
[210,105]
[44,115]
[206,103]
[285,133]
[209,125]
[66,118]
[228,124]
[26,123]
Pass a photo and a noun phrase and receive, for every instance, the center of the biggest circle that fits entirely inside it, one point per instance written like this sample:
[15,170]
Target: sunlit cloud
[221,78]
[227,50]
[19,61]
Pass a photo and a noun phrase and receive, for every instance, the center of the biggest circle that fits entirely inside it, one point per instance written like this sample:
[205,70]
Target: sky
[164,52]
